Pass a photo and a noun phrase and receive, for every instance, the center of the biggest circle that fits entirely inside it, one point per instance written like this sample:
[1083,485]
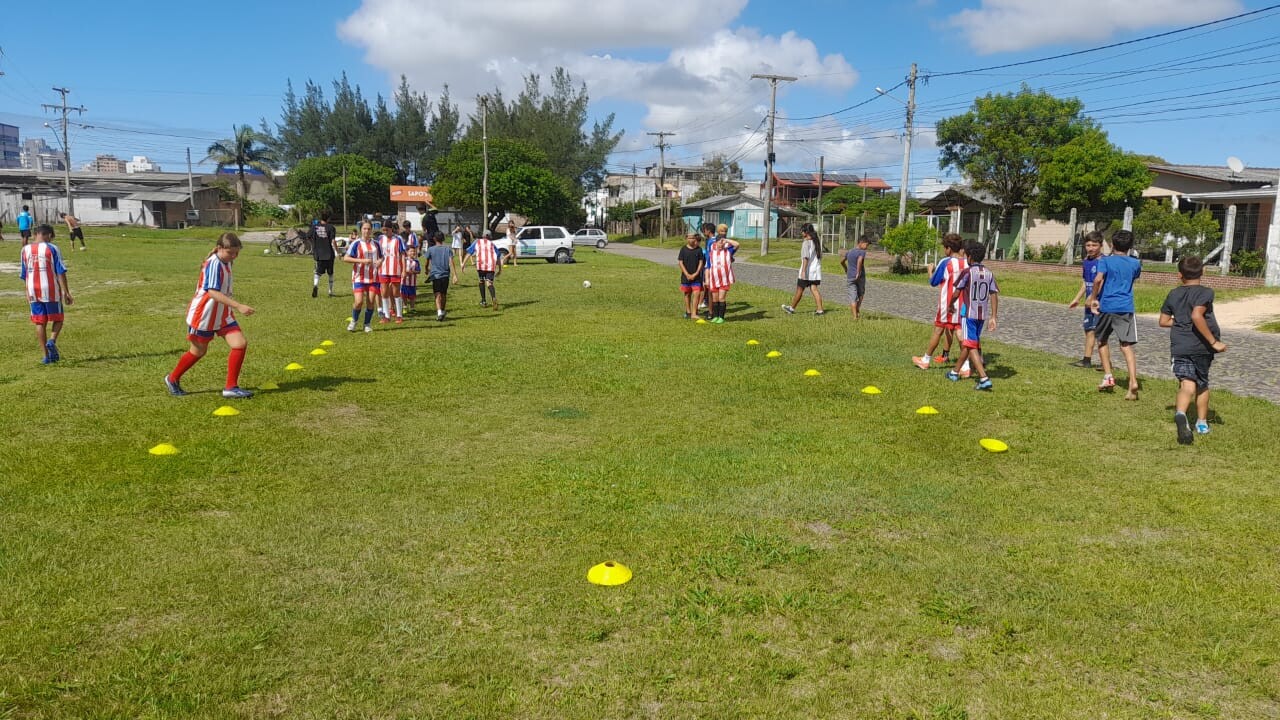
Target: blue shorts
[366,287]
[972,333]
[409,291]
[1192,367]
[204,336]
[43,312]
[1090,321]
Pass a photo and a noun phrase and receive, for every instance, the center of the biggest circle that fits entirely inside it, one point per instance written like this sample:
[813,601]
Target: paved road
[1251,366]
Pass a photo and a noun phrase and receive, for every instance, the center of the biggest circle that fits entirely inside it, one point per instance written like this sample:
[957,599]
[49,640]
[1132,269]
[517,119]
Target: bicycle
[291,242]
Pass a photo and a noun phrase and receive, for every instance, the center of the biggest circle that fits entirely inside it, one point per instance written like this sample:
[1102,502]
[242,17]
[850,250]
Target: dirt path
[1247,313]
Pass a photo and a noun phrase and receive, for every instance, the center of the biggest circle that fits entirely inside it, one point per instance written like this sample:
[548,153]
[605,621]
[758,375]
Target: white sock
[315,280]
[399,307]
[386,307]
[964,367]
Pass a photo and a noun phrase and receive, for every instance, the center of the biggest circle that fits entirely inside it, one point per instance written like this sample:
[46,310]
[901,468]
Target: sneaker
[46,360]
[237,393]
[1202,427]
[1184,429]
[174,388]
[368,328]
[1083,363]
[351,326]
[484,303]
[718,320]
[440,317]
[331,294]
[943,359]
[702,306]
[819,312]
[788,310]
[983,384]
[953,376]
[315,291]
[52,351]
[920,361]
[1108,383]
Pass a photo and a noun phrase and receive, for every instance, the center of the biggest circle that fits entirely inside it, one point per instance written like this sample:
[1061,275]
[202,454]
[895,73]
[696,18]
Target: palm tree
[243,150]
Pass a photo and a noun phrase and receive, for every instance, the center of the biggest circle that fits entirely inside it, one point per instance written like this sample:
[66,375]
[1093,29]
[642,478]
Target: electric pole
[662,181]
[66,149]
[906,151]
[769,158]
[191,183]
[484,183]
[344,195]
[635,220]
[821,172]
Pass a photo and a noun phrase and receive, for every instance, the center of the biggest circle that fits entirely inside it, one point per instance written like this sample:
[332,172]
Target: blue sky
[157,81]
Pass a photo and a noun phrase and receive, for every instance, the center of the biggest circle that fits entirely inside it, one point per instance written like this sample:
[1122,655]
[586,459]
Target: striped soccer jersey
[976,285]
[411,241]
[205,313]
[486,255]
[41,264]
[364,250]
[946,275]
[411,269]
[393,250]
[719,273]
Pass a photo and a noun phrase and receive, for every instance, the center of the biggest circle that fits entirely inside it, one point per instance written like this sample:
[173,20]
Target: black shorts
[324,267]
[26,234]
[1192,367]
[808,283]
[485,275]
[77,233]
[440,284]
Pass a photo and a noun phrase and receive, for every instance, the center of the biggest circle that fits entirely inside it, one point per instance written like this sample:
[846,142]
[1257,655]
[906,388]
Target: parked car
[591,236]
[551,242]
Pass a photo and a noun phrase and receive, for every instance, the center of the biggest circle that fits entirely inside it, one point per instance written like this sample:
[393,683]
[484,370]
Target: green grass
[1272,327]
[405,527]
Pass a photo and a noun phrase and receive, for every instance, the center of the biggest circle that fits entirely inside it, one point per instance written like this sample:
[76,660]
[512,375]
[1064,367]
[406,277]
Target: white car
[591,236]
[551,242]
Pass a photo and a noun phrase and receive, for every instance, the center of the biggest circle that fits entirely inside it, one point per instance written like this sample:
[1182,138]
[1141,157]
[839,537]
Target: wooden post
[1128,219]
[1228,240]
[1068,257]
[1022,237]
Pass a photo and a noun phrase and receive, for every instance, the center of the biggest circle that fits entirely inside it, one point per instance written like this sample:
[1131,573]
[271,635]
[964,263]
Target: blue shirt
[1089,270]
[24,221]
[1119,272]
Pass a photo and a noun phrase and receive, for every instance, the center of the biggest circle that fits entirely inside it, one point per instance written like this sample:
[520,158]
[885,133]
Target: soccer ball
[586,283]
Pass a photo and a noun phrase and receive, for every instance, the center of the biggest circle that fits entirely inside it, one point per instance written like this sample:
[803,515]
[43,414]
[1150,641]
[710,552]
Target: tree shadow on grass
[522,303]
[326,383]
[745,317]
[123,356]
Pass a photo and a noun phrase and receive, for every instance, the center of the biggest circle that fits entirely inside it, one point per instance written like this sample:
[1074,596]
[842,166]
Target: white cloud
[1011,25]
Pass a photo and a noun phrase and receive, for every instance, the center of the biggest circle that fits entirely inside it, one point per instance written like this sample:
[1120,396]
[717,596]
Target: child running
[391,274]
[1088,271]
[977,288]
[324,248]
[210,314]
[487,267]
[810,276]
[440,268]
[946,321]
[691,263]
[1194,338]
[363,255]
[409,284]
[719,274]
[855,270]
[1113,299]
[46,277]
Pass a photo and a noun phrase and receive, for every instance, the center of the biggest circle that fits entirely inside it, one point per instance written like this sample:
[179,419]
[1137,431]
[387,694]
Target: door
[528,240]
[552,239]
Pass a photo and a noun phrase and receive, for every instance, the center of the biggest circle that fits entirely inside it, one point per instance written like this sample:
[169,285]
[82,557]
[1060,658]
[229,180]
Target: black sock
[720,310]
[483,298]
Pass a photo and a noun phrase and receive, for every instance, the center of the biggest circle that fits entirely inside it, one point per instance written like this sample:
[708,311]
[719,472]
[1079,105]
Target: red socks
[184,364]
[234,361]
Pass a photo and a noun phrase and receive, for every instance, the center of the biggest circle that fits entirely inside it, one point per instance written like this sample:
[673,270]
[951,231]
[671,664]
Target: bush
[1052,253]
[908,243]
[1248,263]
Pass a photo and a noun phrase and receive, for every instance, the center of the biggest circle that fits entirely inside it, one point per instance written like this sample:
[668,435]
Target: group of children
[968,297]
[384,273]
[706,273]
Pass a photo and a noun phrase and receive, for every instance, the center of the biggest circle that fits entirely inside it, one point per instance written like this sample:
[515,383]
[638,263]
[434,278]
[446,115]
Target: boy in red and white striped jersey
[487,267]
[363,256]
[209,314]
[409,284]
[46,278]
[946,321]
[719,273]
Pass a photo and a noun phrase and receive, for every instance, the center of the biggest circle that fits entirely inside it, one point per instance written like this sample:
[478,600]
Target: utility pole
[906,152]
[191,183]
[662,181]
[635,220]
[769,158]
[66,149]
[821,175]
[484,183]
[344,195]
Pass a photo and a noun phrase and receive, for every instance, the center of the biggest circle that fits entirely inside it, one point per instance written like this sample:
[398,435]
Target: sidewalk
[1251,366]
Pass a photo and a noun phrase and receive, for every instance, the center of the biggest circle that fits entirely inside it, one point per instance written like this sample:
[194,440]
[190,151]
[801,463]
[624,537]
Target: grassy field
[404,528]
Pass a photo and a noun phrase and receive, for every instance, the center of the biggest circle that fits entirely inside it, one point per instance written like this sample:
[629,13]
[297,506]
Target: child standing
[440,267]
[946,321]
[977,290]
[719,274]
[410,237]
[1113,300]
[1194,338]
[391,274]
[210,314]
[487,267]
[409,285]
[46,277]
[690,262]
[810,276]
[1088,271]
[324,248]
[855,272]
[363,256]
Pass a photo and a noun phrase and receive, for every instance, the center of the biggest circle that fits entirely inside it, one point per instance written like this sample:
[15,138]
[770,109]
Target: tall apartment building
[10,148]
[108,164]
[37,155]
[141,164]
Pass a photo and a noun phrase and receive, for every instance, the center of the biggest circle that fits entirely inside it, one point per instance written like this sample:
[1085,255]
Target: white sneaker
[368,328]
[351,326]
[788,310]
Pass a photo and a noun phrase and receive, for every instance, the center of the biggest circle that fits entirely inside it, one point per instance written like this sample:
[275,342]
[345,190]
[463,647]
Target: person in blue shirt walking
[1113,300]
[24,223]
[1088,271]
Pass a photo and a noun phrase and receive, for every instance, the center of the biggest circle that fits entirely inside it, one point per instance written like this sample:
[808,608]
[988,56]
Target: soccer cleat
[237,393]
[953,376]
[1083,363]
[51,350]
[315,291]
[46,360]
[351,326]
[983,384]
[1184,429]
[174,388]
[943,359]
[920,361]
[1202,427]
[484,303]
[368,328]
[1108,383]
[717,320]
[788,310]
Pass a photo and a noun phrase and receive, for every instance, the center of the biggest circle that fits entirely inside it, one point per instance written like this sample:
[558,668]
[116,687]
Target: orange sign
[411,194]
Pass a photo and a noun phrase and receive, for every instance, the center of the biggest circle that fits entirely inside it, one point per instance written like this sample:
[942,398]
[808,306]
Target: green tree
[1091,174]
[624,212]
[520,181]
[442,132]
[908,243]
[848,200]
[348,122]
[1156,226]
[319,180]
[244,149]
[721,177]
[1003,141]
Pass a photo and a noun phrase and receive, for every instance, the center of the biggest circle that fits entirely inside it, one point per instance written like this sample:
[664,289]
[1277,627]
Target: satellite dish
[1235,164]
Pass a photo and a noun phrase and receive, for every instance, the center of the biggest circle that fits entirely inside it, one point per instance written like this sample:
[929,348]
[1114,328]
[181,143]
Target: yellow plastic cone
[319,351]
[927,410]
[993,445]
[327,343]
[609,573]
[701,321]
[268,386]
[871,390]
[753,342]
[811,373]
[773,354]
[226,411]
[163,449]
[292,366]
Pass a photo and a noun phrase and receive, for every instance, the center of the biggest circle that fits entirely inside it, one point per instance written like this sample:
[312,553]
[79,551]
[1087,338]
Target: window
[969,222]
[531,234]
[110,203]
[755,218]
[552,233]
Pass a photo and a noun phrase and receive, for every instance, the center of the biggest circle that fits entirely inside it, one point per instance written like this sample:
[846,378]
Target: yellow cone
[871,390]
[701,321]
[319,351]
[811,373]
[268,386]
[293,366]
[163,449]
[226,411]
[753,342]
[773,354]
[327,343]
[927,410]
[993,445]
[609,573]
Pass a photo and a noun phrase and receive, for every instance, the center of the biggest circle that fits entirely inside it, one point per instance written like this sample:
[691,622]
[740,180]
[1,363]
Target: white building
[141,164]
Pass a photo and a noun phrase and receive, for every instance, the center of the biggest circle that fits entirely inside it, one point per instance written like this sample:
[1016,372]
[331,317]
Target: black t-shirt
[322,236]
[1184,339]
[690,259]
